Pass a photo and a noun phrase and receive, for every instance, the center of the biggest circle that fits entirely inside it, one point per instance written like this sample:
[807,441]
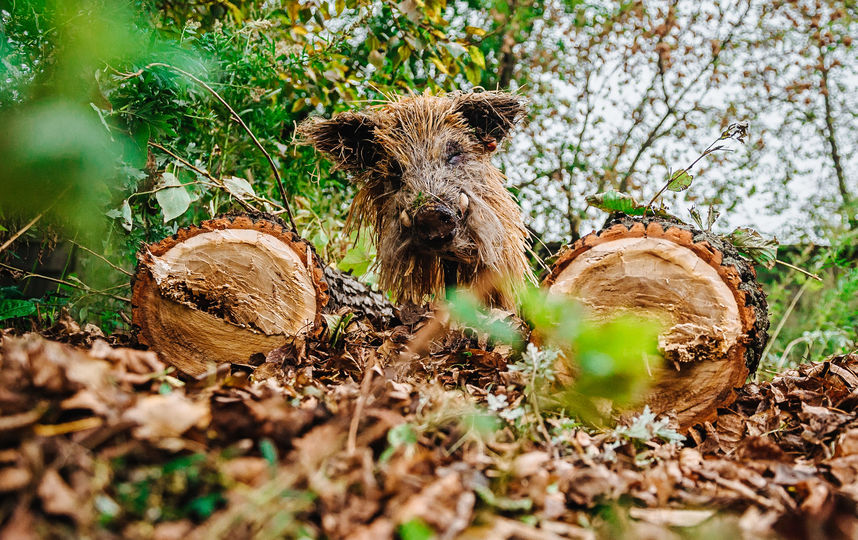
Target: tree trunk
[695,284]
[233,289]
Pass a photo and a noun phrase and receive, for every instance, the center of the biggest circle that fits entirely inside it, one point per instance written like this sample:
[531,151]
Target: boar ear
[348,138]
[490,114]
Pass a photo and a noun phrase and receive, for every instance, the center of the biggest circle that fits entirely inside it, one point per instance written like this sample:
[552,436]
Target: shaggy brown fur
[427,185]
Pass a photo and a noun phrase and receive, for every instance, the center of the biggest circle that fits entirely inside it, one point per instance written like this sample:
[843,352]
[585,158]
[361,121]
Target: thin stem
[82,286]
[103,258]
[203,173]
[23,229]
[351,442]
[33,221]
[783,320]
[797,269]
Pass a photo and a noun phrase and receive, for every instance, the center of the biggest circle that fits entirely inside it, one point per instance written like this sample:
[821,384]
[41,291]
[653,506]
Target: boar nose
[435,223]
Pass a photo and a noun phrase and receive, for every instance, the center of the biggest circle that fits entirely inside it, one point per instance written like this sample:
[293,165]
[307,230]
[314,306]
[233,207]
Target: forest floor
[330,438]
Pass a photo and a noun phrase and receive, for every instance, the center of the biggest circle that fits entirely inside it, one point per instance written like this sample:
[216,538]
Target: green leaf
[401,435]
[468,310]
[755,246]
[472,72]
[11,309]
[174,200]
[611,364]
[680,181]
[238,187]
[416,529]
[123,213]
[205,505]
[268,451]
[456,50]
[477,56]
[614,201]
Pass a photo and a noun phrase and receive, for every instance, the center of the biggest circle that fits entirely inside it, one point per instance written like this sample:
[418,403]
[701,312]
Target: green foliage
[186,487]
[415,529]
[812,320]
[400,436]
[609,359]
[115,82]
[614,201]
[645,427]
[465,307]
[11,308]
[269,451]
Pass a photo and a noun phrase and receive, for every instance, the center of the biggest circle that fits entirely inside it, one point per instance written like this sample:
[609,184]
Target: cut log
[694,283]
[225,291]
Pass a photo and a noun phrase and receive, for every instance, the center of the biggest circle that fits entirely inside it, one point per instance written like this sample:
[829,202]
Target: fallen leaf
[170,416]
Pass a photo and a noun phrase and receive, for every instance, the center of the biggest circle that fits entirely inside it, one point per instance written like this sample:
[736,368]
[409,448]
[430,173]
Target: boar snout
[435,224]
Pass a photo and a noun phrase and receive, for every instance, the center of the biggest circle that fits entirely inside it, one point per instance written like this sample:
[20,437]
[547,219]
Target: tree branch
[240,121]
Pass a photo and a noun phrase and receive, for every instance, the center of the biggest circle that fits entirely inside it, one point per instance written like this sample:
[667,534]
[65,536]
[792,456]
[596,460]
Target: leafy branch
[238,119]
[681,179]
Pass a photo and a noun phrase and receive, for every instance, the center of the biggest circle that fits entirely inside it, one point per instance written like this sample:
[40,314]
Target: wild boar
[438,207]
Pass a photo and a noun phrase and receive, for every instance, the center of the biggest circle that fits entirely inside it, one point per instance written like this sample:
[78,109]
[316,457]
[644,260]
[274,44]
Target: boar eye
[454,154]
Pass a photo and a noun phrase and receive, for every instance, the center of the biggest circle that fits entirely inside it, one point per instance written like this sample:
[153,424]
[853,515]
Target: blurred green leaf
[268,451]
[10,308]
[477,56]
[415,529]
[468,310]
[611,364]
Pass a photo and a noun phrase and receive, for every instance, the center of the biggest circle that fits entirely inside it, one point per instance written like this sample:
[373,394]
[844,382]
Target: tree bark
[712,310]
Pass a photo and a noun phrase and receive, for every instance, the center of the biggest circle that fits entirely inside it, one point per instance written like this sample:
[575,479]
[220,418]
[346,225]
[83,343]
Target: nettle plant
[751,244]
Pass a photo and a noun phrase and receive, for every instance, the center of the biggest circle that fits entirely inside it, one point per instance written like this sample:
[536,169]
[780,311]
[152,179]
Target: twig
[351,442]
[534,400]
[244,204]
[103,258]
[23,229]
[797,269]
[670,179]
[82,286]
[238,119]
[33,221]
[788,349]
[783,320]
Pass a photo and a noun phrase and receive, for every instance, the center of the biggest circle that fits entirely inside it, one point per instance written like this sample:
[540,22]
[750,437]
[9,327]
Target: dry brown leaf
[14,478]
[20,526]
[169,416]
[57,497]
[444,504]
[671,517]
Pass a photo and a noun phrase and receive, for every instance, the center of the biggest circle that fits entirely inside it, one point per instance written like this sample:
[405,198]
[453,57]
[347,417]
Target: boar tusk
[405,219]
[463,203]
